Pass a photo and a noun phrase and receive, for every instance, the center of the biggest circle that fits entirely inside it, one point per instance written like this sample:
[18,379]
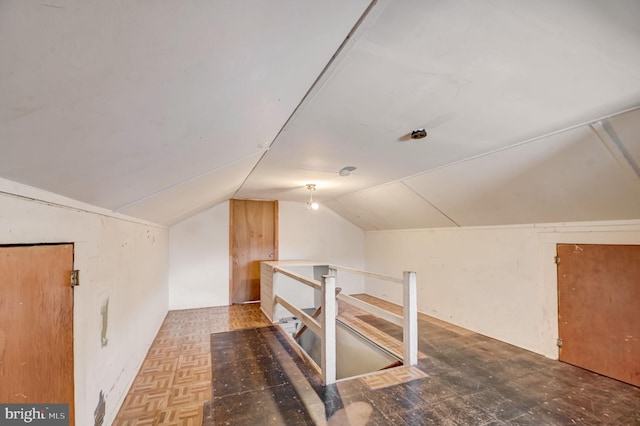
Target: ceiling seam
[526,141]
[431,204]
[202,207]
[317,83]
[366,222]
[474,157]
[185,181]
[133,220]
[608,136]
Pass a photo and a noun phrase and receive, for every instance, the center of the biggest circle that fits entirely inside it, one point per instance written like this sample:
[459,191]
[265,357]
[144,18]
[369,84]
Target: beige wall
[497,281]
[319,235]
[199,260]
[120,259]
[199,247]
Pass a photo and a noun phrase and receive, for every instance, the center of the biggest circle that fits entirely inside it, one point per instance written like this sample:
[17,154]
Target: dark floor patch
[258,378]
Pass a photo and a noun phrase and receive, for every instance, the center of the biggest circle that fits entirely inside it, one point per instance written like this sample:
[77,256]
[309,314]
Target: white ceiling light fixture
[312,205]
[346,171]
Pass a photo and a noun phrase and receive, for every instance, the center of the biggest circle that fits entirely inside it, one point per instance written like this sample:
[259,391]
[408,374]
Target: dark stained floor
[258,378]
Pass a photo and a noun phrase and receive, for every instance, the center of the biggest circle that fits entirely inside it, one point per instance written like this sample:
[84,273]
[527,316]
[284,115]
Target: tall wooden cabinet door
[599,309]
[36,325]
[254,238]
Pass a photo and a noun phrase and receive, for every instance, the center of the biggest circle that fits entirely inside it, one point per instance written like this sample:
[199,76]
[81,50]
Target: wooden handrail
[314,316]
[306,319]
[304,280]
[304,327]
[325,329]
[384,314]
[367,274]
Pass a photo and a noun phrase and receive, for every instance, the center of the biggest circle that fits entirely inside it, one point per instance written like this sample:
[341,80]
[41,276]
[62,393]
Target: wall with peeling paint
[120,259]
[498,281]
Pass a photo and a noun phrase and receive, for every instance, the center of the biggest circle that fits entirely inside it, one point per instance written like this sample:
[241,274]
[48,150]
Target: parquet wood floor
[464,379]
[392,377]
[175,378]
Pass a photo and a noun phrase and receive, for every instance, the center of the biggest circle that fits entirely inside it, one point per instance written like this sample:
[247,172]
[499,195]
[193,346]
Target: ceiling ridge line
[484,154]
[113,215]
[185,181]
[351,38]
[526,141]
[431,204]
[367,222]
[608,136]
[201,207]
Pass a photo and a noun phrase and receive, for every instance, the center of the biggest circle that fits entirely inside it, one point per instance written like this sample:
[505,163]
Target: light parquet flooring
[175,378]
[392,377]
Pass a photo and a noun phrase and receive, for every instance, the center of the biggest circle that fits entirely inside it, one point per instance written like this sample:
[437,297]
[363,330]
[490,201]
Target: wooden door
[254,231]
[599,309]
[36,325]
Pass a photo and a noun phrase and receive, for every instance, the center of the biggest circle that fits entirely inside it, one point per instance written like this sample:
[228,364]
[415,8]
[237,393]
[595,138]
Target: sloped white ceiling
[479,77]
[198,194]
[161,109]
[402,208]
[115,102]
[567,177]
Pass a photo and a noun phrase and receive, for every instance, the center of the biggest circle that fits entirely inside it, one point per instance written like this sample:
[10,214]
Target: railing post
[334,273]
[328,329]
[410,330]
[274,292]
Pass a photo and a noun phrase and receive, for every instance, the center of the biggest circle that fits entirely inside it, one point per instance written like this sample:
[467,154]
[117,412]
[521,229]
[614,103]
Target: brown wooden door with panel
[253,238]
[599,309]
[36,325]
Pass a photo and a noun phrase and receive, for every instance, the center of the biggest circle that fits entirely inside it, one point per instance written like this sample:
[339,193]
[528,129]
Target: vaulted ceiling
[162,109]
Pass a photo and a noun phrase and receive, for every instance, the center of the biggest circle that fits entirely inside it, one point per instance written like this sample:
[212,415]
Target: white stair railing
[410,329]
[326,329]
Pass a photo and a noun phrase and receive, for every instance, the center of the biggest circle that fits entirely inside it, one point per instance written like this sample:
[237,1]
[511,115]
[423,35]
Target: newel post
[410,330]
[328,329]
